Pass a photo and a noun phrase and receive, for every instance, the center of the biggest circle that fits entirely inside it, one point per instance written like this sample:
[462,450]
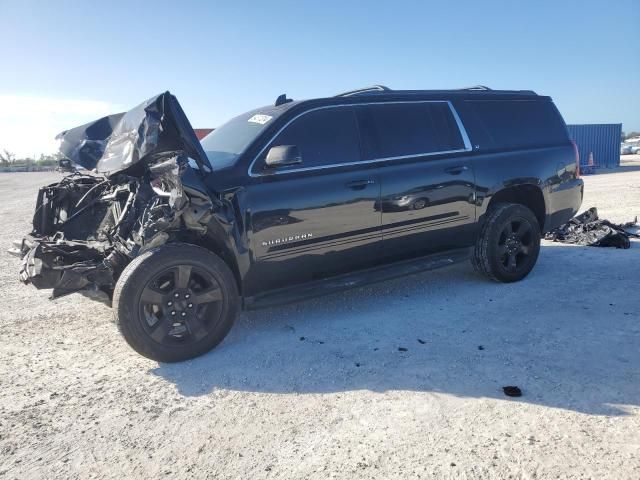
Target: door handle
[457,170]
[360,184]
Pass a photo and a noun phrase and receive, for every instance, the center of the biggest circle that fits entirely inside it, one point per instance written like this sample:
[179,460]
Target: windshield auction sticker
[261,119]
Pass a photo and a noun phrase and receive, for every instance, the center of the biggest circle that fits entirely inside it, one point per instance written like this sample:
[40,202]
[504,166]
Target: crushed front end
[88,227]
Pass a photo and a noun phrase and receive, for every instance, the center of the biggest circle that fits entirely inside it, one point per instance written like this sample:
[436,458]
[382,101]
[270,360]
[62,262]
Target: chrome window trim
[461,129]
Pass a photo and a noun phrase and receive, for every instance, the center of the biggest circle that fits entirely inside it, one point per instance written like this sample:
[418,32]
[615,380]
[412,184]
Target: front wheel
[175,302]
[509,243]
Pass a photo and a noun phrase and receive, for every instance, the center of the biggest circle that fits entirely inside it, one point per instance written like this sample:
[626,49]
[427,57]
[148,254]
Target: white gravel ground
[320,389]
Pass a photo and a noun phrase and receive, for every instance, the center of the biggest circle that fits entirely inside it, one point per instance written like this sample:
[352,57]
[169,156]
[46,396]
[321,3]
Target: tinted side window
[520,123]
[324,137]
[400,129]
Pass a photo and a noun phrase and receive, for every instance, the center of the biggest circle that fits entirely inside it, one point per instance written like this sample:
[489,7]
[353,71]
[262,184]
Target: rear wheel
[509,243]
[175,302]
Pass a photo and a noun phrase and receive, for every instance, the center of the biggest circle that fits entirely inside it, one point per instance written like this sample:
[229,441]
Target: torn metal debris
[588,230]
[144,192]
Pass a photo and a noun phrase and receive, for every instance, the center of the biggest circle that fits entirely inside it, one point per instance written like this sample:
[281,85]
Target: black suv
[294,200]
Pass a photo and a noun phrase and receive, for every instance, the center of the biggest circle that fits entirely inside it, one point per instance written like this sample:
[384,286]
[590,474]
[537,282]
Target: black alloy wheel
[515,244]
[180,305]
[175,302]
[508,245]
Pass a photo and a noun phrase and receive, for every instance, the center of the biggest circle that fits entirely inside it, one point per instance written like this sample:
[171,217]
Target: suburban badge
[290,238]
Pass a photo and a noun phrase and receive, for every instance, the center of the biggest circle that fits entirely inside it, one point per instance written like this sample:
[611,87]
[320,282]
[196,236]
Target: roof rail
[358,91]
[478,87]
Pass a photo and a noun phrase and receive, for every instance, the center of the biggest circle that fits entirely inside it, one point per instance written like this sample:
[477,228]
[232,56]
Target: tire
[419,204]
[175,302]
[509,243]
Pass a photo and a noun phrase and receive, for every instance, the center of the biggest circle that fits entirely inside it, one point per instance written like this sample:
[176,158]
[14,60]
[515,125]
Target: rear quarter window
[519,123]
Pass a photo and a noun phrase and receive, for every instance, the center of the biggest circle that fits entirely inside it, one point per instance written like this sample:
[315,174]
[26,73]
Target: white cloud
[28,124]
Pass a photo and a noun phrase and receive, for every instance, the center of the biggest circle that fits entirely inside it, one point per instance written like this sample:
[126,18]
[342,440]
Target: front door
[318,218]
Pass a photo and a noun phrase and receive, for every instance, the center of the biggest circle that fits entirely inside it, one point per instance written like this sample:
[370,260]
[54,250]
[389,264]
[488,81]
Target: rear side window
[406,129]
[520,123]
[324,137]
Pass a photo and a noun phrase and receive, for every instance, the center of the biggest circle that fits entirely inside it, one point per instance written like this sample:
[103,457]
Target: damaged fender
[143,194]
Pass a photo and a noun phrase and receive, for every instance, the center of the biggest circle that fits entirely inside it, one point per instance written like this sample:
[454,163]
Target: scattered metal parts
[589,230]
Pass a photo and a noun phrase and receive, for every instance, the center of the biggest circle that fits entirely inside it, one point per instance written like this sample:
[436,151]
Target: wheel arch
[214,244]
[529,195]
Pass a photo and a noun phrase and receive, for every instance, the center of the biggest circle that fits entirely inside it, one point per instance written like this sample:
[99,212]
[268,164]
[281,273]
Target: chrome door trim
[461,129]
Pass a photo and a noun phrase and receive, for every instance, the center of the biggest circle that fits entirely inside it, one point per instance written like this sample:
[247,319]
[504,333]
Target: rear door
[427,199]
[318,218]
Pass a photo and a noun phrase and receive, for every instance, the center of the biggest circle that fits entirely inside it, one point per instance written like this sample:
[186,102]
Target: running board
[356,279]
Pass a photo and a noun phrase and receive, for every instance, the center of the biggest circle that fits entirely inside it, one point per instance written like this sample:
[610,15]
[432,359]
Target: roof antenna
[282,99]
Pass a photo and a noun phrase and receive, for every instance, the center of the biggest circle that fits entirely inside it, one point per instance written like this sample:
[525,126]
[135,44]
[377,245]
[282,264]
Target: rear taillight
[577,153]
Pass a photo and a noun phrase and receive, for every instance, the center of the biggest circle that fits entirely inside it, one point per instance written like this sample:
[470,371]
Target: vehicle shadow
[568,336]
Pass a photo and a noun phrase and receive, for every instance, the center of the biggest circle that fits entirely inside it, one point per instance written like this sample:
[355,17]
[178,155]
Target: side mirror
[283,155]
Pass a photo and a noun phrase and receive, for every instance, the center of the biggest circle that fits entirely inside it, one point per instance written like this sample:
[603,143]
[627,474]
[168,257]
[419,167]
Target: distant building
[202,132]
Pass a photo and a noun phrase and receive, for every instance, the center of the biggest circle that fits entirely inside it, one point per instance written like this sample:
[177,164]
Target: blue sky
[65,63]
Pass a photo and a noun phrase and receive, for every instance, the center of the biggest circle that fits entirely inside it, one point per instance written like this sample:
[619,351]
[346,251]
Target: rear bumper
[563,202]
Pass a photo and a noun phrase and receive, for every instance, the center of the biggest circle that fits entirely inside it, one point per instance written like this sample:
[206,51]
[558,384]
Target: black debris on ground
[589,230]
[480,347]
[402,349]
[421,341]
[512,391]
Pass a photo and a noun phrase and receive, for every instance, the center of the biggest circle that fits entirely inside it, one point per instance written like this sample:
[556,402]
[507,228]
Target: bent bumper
[66,267]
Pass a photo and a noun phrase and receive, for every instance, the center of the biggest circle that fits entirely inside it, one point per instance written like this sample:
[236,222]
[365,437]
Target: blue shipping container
[600,140]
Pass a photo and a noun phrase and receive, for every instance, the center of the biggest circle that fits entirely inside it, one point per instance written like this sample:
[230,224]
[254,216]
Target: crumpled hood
[144,134]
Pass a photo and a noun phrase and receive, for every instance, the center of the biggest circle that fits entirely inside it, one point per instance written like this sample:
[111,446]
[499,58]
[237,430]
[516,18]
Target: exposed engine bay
[145,190]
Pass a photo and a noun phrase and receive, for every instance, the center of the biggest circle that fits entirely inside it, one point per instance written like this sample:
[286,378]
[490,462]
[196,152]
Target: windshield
[224,145]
